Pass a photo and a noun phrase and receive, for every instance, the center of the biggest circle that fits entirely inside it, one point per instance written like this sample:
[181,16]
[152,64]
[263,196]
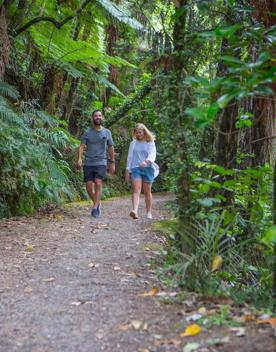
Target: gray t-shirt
[96,146]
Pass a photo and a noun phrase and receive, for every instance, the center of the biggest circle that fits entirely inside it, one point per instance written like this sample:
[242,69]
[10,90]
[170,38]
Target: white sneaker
[149,216]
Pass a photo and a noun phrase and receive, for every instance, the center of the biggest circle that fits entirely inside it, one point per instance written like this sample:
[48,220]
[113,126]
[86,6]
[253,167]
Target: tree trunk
[4,43]
[177,116]
[263,108]
[274,221]
[227,137]
[112,35]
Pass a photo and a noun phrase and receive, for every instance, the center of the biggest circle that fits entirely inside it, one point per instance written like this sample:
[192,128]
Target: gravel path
[71,283]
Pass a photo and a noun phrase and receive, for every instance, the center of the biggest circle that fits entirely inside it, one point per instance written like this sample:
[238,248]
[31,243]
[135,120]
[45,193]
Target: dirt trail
[69,282]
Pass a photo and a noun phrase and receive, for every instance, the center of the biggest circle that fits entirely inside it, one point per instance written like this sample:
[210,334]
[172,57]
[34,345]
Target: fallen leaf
[28,289]
[271,321]
[248,317]
[93,265]
[156,336]
[190,347]
[218,341]
[264,316]
[216,264]
[100,334]
[124,327]
[145,326]
[136,324]
[239,331]
[191,330]
[58,217]
[166,294]
[202,310]
[152,292]
[167,342]
[50,279]
[194,317]
[29,248]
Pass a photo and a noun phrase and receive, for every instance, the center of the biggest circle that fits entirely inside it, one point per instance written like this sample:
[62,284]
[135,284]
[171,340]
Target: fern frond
[121,14]
[46,118]
[57,138]
[9,91]
[62,48]
[8,115]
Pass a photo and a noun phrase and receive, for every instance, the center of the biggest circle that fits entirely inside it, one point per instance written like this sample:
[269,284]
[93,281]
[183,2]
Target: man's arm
[80,154]
[111,155]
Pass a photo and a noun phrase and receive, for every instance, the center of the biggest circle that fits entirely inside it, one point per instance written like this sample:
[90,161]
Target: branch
[262,139]
[57,24]
[121,112]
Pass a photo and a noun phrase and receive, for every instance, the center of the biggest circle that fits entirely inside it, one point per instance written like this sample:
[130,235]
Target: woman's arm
[151,153]
[130,155]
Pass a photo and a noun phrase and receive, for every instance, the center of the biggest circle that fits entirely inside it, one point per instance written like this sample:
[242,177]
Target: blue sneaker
[94,213]
[99,209]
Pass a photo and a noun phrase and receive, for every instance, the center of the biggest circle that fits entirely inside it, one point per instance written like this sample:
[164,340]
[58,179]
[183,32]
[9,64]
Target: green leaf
[270,236]
[208,202]
[224,100]
[231,59]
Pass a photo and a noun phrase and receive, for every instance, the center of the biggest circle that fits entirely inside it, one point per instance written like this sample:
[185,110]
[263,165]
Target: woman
[142,168]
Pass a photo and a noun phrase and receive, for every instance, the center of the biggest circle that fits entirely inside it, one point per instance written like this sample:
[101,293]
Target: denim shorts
[142,173]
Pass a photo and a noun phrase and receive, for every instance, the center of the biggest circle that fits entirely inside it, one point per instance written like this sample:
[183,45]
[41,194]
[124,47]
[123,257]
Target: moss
[166,227]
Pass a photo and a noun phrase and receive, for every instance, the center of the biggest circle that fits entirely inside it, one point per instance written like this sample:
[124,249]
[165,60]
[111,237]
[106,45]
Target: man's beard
[97,122]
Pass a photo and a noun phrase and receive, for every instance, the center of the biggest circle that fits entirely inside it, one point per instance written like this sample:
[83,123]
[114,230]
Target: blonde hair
[149,136]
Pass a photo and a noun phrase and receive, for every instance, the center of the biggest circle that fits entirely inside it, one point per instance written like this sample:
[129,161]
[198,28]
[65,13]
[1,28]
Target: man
[96,140]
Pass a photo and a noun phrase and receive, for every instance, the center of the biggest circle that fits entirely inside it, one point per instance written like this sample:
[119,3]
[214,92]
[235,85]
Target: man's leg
[98,192]
[148,198]
[136,191]
[90,190]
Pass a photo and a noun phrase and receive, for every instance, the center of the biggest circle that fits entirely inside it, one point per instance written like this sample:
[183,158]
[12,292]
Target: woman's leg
[148,198]
[136,191]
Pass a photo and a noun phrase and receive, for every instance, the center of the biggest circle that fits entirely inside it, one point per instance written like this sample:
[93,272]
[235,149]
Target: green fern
[9,91]
[58,45]
[120,13]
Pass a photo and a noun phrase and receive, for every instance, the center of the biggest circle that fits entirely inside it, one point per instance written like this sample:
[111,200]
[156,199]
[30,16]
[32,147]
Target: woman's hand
[143,164]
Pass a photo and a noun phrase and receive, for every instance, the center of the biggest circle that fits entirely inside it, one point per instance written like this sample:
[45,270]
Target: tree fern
[58,46]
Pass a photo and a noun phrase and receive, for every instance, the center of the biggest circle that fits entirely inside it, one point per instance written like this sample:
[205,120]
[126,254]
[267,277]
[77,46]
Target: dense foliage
[200,74]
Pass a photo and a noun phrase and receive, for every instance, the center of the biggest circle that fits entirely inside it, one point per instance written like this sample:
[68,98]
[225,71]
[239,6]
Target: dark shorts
[90,173]
[142,173]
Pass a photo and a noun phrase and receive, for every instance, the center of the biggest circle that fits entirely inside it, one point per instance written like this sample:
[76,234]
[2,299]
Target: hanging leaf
[216,263]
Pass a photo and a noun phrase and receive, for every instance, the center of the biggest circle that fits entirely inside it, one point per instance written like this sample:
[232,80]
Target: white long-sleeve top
[139,152]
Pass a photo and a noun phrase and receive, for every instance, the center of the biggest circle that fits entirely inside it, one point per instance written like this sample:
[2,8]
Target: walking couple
[97,142]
